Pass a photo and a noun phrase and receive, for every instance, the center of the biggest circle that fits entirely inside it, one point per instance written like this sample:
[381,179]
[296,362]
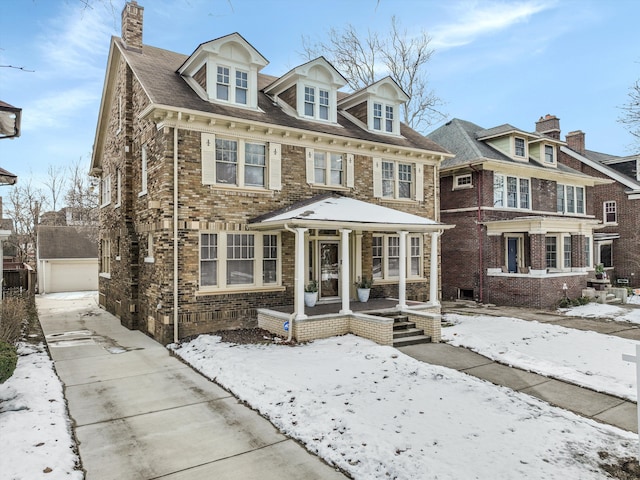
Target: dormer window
[520,147]
[549,154]
[225,70]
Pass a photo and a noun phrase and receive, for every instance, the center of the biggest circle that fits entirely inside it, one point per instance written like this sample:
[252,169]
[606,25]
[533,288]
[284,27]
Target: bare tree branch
[25,203]
[631,116]
[365,59]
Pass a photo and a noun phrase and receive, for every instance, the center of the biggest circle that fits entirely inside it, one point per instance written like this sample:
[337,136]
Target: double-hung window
[240,163]
[105,256]
[222,83]
[386,256]
[255,159]
[328,168]
[316,103]
[512,192]
[388,116]
[323,107]
[549,154]
[397,179]
[106,189]
[309,101]
[551,246]
[242,85]
[566,251]
[231,260]
[143,170]
[520,147]
[386,123]
[377,116]
[570,199]
[610,212]
[226,161]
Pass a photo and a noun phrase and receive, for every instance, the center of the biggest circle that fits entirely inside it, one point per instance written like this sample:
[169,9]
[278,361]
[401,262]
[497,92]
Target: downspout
[175,229]
[479,233]
[293,315]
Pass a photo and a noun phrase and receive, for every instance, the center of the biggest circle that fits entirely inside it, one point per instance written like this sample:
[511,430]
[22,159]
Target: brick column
[577,251]
[538,252]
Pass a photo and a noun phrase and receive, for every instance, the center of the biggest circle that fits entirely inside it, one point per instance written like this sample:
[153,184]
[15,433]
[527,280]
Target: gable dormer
[509,140]
[311,90]
[225,71]
[545,150]
[377,106]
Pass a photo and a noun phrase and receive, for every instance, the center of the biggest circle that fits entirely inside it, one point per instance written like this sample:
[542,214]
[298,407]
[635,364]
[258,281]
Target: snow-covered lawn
[600,310]
[377,413]
[584,358]
[35,433]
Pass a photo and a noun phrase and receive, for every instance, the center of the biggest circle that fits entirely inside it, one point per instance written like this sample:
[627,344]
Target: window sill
[105,204]
[142,194]
[239,290]
[149,260]
[104,275]
[335,188]
[117,205]
[463,187]
[398,200]
[234,188]
[118,258]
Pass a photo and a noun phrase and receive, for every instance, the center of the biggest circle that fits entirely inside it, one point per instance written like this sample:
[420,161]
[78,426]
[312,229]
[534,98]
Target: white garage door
[72,277]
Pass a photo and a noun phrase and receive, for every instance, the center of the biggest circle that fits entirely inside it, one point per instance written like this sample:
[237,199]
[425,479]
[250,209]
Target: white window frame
[561,252]
[379,110]
[579,199]
[257,259]
[557,253]
[143,171]
[150,249]
[105,257]
[223,72]
[242,77]
[241,162]
[328,168]
[412,254]
[588,251]
[233,87]
[610,206]
[396,179]
[515,147]
[543,153]
[105,189]
[500,195]
[462,181]
[118,188]
[323,101]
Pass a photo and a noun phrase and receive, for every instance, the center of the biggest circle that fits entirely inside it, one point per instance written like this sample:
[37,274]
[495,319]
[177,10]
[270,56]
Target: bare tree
[365,59]
[55,184]
[631,115]
[81,196]
[25,202]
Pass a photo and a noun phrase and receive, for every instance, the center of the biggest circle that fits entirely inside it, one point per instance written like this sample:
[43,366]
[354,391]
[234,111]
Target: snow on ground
[600,310]
[34,427]
[377,413]
[584,358]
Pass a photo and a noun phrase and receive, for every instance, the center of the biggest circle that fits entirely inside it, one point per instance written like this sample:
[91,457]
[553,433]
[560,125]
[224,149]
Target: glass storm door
[329,270]
[512,254]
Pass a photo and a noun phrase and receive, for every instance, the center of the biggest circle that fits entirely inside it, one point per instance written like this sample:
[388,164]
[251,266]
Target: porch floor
[373,305]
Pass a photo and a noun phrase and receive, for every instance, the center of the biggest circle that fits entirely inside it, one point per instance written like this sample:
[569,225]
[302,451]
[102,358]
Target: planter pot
[310,298]
[599,276]
[363,294]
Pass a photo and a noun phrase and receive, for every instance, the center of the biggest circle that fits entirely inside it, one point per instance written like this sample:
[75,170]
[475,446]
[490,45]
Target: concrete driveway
[140,413]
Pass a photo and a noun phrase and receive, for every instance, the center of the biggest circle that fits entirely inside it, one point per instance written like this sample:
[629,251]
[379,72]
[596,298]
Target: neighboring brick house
[616,205]
[224,190]
[513,244]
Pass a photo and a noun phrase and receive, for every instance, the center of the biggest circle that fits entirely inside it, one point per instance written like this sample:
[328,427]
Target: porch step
[407,332]
[403,325]
[414,340]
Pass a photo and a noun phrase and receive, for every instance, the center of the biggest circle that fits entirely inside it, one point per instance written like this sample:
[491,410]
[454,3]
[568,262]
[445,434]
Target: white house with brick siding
[225,191]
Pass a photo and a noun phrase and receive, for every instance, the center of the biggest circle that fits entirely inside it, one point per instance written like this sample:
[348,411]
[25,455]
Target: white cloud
[57,109]
[479,18]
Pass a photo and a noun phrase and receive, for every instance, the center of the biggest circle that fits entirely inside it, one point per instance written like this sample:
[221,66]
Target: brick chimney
[549,125]
[132,25]
[575,141]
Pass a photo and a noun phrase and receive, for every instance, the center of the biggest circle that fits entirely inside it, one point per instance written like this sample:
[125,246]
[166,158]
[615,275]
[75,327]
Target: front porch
[373,320]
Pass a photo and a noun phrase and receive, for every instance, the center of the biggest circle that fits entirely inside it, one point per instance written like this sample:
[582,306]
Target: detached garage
[67,259]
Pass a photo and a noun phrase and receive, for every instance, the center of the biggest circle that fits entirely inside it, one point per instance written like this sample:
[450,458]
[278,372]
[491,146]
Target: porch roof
[333,211]
[542,225]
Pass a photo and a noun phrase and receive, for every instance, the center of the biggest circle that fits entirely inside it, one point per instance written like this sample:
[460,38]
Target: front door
[329,270]
[512,254]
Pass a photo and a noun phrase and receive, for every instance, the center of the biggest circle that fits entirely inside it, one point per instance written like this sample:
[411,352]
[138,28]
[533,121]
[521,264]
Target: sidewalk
[140,413]
[588,403]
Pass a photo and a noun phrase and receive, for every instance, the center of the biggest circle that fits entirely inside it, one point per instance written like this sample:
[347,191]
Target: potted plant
[311,293]
[600,271]
[363,286]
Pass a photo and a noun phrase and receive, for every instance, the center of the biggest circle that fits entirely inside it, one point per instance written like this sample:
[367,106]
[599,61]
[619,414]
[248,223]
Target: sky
[495,62]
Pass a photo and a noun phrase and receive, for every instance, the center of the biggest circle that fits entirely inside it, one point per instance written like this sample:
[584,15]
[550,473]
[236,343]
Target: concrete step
[409,332]
[414,340]
[403,325]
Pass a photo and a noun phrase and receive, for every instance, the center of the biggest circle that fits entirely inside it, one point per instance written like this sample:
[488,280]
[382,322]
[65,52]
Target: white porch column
[433,270]
[299,275]
[402,283]
[344,271]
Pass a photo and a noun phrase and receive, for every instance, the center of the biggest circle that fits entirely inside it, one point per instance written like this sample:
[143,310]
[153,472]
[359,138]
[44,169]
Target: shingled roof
[58,242]
[156,70]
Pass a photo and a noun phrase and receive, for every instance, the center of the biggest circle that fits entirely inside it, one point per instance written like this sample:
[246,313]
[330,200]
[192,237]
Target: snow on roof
[346,210]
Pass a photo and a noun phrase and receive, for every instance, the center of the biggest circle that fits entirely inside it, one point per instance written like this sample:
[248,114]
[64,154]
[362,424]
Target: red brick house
[524,221]
[225,191]
[616,205]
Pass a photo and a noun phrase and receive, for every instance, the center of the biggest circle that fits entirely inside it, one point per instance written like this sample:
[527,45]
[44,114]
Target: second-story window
[226,161]
[328,168]
[570,199]
[511,192]
[143,170]
[106,189]
[610,212]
